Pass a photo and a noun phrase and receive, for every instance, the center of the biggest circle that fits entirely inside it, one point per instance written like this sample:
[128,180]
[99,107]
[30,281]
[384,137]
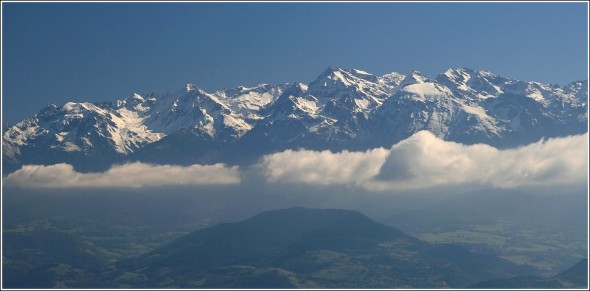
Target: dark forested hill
[300,247]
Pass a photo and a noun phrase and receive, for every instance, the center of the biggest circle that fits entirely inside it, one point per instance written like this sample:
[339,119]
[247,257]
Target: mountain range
[340,109]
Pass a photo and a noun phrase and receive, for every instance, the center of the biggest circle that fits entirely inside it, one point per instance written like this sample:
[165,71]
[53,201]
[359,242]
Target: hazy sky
[59,52]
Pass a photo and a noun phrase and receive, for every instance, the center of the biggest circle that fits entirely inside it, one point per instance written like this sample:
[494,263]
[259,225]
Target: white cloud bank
[421,161]
[323,168]
[133,175]
[424,161]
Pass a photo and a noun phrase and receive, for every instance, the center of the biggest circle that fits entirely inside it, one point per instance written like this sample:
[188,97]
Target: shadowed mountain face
[574,277]
[341,109]
[300,247]
[507,223]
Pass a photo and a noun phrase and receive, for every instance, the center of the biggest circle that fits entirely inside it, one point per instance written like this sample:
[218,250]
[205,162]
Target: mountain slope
[481,221]
[48,259]
[340,109]
[302,247]
[574,277]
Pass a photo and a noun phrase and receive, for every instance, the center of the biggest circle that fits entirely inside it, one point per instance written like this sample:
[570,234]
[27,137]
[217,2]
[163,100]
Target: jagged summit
[190,87]
[415,77]
[340,109]
[331,82]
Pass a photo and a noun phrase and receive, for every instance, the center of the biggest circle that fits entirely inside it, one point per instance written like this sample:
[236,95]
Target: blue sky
[59,52]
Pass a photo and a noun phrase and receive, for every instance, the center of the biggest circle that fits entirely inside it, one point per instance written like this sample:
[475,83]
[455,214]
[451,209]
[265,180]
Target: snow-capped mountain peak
[191,87]
[472,84]
[391,80]
[137,98]
[461,75]
[297,89]
[364,75]
[330,82]
[415,77]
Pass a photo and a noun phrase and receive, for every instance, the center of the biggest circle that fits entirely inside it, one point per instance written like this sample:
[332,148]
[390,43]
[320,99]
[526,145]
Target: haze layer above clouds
[419,162]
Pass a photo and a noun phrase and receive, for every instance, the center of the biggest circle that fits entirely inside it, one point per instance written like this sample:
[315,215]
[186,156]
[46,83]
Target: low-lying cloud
[133,175]
[324,167]
[424,161]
